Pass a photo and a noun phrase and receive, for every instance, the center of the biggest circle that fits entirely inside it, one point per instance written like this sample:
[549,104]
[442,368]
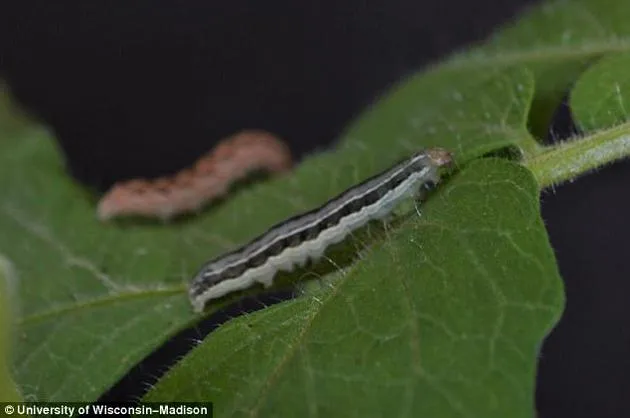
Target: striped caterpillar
[300,238]
[210,177]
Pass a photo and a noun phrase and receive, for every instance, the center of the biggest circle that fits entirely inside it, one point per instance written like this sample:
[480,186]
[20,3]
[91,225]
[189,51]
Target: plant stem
[570,159]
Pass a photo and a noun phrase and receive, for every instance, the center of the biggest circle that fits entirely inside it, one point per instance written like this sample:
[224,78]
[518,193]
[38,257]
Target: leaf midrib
[485,58]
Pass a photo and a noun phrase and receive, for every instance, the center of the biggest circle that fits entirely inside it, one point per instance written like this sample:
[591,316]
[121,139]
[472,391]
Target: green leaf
[444,318]
[471,114]
[556,41]
[8,391]
[600,96]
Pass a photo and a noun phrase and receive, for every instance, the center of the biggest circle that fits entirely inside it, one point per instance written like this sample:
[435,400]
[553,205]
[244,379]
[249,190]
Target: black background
[145,88]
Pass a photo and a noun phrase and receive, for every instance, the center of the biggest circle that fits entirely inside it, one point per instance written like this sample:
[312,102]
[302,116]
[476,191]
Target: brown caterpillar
[192,188]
